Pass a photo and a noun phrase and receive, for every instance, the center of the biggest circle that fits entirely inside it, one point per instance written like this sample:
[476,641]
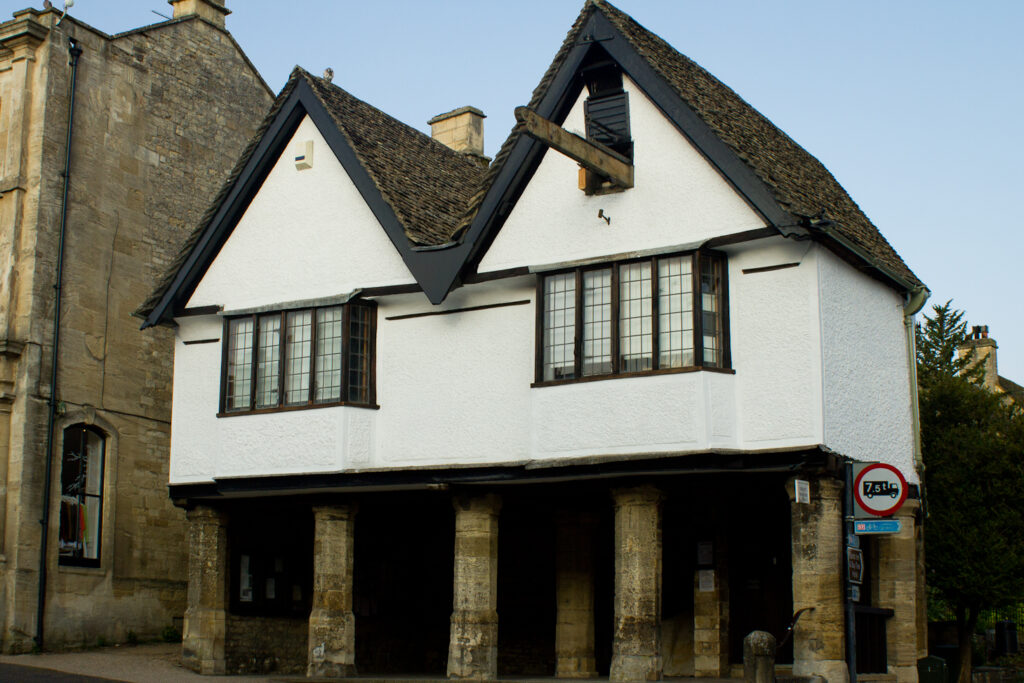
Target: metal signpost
[873,490]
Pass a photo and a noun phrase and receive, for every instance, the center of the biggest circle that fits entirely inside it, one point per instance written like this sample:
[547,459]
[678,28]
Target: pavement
[160,663]
[151,663]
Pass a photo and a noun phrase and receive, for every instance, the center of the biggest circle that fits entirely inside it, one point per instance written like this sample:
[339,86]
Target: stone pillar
[473,645]
[636,648]
[711,615]
[202,647]
[897,590]
[332,625]
[574,594]
[818,542]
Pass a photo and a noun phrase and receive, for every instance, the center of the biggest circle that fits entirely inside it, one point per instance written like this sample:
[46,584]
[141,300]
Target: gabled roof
[416,187]
[789,187]
[442,211]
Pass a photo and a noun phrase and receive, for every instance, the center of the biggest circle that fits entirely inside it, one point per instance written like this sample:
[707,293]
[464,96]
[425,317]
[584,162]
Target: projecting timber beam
[592,156]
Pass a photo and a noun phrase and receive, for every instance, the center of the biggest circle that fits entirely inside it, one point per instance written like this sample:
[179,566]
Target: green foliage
[973,452]
[938,341]
[973,448]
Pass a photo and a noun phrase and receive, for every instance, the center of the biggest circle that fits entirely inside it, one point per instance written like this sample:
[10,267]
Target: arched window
[81,496]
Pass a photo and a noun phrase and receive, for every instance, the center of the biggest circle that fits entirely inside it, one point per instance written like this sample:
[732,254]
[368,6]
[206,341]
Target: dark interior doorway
[404,549]
[760,563]
[526,587]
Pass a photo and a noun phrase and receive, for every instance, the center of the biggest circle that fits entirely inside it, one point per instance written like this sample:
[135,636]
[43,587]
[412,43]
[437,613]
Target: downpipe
[915,302]
[75,52]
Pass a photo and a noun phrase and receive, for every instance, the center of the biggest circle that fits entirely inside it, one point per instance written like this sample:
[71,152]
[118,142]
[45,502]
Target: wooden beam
[593,156]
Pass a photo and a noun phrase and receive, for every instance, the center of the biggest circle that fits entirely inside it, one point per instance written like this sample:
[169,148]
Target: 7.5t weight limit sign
[878,489]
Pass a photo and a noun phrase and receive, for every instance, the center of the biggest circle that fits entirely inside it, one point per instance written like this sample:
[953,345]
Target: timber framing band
[534,472]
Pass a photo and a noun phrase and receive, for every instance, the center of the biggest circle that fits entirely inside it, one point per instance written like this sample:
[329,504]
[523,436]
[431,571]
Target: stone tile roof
[1012,389]
[799,182]
[427,184]
[436,193]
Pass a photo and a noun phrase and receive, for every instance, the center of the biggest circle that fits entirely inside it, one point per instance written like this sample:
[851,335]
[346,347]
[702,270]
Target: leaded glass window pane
[675,312]
[597,322]
[297,357]
[328,354]
[559,326]
[268,362]
[239,375]
[636,328]
[359,355]
[711,310]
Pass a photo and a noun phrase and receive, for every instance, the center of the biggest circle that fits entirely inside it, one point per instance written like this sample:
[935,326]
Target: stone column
[574,594]
[473,644]
[332,625]
[202,647]
[897,590]
[636,648]
[711,615]
[818,541]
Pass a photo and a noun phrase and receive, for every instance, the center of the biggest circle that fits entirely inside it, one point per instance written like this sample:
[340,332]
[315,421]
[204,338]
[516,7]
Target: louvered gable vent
[607,107]
[608,120]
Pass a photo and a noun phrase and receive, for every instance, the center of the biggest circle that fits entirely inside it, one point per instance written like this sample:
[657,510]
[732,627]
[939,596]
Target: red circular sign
[880,489]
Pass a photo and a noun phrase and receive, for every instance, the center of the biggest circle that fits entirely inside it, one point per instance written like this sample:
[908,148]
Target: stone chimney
[462,130]
[984,353]
[213,11]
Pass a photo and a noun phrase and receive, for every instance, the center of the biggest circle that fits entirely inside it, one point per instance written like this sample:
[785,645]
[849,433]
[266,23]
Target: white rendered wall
[204,445]
[867,378]
[678,199]
[306,234]
[774,330]
[456,389]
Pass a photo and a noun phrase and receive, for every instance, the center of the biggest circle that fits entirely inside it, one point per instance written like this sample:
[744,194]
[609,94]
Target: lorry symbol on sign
[880,488]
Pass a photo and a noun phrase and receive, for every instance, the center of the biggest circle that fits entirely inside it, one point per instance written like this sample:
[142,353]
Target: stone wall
[160,118]
[263,645]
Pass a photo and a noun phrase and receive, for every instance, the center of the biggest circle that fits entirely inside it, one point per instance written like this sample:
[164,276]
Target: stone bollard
[759,657]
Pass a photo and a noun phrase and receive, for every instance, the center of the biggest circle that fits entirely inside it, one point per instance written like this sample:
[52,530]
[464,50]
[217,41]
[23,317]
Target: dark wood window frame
[311,402]
[699,258]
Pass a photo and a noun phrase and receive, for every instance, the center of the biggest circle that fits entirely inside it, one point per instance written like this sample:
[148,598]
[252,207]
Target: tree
[973,449]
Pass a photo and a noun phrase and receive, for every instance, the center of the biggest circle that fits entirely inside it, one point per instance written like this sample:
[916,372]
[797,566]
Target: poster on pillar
[879,490]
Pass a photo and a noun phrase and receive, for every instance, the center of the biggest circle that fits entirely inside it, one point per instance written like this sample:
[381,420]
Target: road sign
[877,526]
[879,489]
[855,565]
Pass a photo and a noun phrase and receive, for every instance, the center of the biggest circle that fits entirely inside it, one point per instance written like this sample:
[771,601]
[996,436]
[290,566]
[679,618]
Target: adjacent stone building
[587,411]
[984,349]
[159,115]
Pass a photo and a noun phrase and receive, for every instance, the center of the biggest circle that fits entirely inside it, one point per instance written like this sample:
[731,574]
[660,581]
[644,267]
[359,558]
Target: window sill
[286,409]
[86,567]
[645,373]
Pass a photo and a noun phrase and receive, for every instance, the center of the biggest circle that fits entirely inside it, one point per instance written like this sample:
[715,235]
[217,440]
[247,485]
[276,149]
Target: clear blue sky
[915,106]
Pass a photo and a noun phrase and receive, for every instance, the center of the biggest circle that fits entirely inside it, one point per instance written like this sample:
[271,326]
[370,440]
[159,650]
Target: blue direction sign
[876,526]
